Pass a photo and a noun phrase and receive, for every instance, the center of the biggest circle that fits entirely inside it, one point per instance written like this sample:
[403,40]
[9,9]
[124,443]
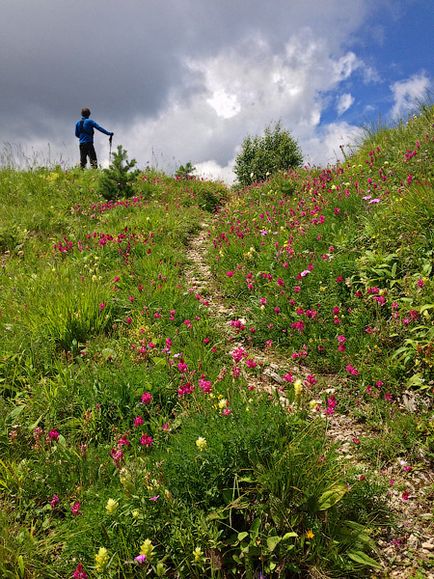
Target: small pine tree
[185,171]
[261,157]
[116,182]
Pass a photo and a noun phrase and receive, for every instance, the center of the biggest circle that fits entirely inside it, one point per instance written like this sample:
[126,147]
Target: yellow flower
[101,559]
[135,514]
[223,403]
[198,555]
[111,506]
[201,443]
[147,548]
[298,388]
[310,534]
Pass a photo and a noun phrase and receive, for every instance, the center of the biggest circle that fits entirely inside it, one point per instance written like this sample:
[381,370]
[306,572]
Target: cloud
[408,93]
[344,103]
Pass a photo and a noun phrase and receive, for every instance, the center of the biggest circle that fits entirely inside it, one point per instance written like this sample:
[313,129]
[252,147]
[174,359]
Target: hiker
[84,130]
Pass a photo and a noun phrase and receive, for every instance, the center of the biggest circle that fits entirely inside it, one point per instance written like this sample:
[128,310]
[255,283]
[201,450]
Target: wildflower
[138,421]
[154,499]
[222,403]
[420,282]
[405,496]
[182,367]
[165,427]
[230,273]
[288,377]
[79,572]
[226,411]
[147,548]
[250,363]
[75,508]
[298,388]
[101,306]
[140,559]
[205,385]
[310,534]
[351,370]
[135,514]
[111,506]
[201,443]
[146,398]
[146,440]
[117,456]
[54,435]
[198,555]
[54,501]
[238,354]
[101,559]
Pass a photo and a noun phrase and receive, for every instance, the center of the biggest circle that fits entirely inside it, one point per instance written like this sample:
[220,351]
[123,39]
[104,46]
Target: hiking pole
[110,152]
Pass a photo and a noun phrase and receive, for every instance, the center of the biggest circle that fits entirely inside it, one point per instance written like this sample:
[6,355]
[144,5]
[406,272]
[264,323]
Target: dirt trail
[412,540]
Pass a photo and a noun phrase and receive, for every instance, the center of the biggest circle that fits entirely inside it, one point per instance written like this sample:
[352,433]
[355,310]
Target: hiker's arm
[98,128]
[77,131]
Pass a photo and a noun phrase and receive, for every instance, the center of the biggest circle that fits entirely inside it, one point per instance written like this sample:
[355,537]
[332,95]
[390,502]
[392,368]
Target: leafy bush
[261,157]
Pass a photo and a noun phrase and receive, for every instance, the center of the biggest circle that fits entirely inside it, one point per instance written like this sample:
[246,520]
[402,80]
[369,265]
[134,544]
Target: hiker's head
[85,112]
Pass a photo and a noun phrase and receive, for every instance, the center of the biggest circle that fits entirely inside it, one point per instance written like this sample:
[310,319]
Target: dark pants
[88,150]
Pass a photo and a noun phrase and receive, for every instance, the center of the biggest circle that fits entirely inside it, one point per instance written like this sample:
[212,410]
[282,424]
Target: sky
[188,80]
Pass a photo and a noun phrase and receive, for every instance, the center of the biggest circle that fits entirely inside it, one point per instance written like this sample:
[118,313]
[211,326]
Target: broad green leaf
[272,542]
[363,559]
[242,535]
[332,496]
[289,535]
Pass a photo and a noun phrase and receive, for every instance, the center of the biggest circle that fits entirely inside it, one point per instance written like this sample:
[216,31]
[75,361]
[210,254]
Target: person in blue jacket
[84,129]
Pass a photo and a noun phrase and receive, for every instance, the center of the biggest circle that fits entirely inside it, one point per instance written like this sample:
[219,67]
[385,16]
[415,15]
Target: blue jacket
[84,130]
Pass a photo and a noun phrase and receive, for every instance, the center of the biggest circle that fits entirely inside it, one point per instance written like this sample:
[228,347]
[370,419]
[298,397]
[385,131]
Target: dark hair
[85,112]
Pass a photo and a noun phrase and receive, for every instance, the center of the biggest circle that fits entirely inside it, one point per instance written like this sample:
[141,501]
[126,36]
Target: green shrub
[261,157]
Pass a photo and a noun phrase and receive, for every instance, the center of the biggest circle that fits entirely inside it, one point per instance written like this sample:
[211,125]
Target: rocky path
[411,492]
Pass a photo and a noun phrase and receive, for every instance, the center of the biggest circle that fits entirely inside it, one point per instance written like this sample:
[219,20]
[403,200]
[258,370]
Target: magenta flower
[154,499]
[138,421]
[140,559]
[146,440]
[75,508]
[54,435]
[146,398]
[205,385]
[54,501]
[351,370]
[79,572]
[182,367]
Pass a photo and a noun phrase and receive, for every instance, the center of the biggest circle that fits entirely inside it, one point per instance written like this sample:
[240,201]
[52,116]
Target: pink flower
[154,499]
[165,427]
[140,559]
[146,398]
[205,385]
[54,501]
[409,179]
[341,339]
[226,411]
[405,496]
[123,441]
[182,367]
[250,363]
[420,282]
[117,456]
[54,435]
[75,508]
[79,572]
[288,377]
[101,306]
[351,370]
[263,301]
[138,421]
[236,371]
[230,273]
[238,354]
[146,440]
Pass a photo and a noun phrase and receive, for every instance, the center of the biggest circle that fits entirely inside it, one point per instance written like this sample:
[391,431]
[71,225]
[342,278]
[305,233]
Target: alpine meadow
[228,382]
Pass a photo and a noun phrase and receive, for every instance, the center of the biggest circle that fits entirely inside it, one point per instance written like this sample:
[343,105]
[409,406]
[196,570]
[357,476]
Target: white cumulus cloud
[408,93]
[344,103]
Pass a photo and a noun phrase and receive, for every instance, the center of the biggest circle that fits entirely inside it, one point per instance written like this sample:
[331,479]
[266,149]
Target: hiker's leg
[83,155]
[92,156]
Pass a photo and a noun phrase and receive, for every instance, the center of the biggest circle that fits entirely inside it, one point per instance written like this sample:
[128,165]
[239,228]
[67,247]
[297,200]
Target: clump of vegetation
[262,157]
[117,182]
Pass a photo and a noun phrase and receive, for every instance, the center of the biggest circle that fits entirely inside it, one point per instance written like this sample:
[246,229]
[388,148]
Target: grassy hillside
[138,438]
